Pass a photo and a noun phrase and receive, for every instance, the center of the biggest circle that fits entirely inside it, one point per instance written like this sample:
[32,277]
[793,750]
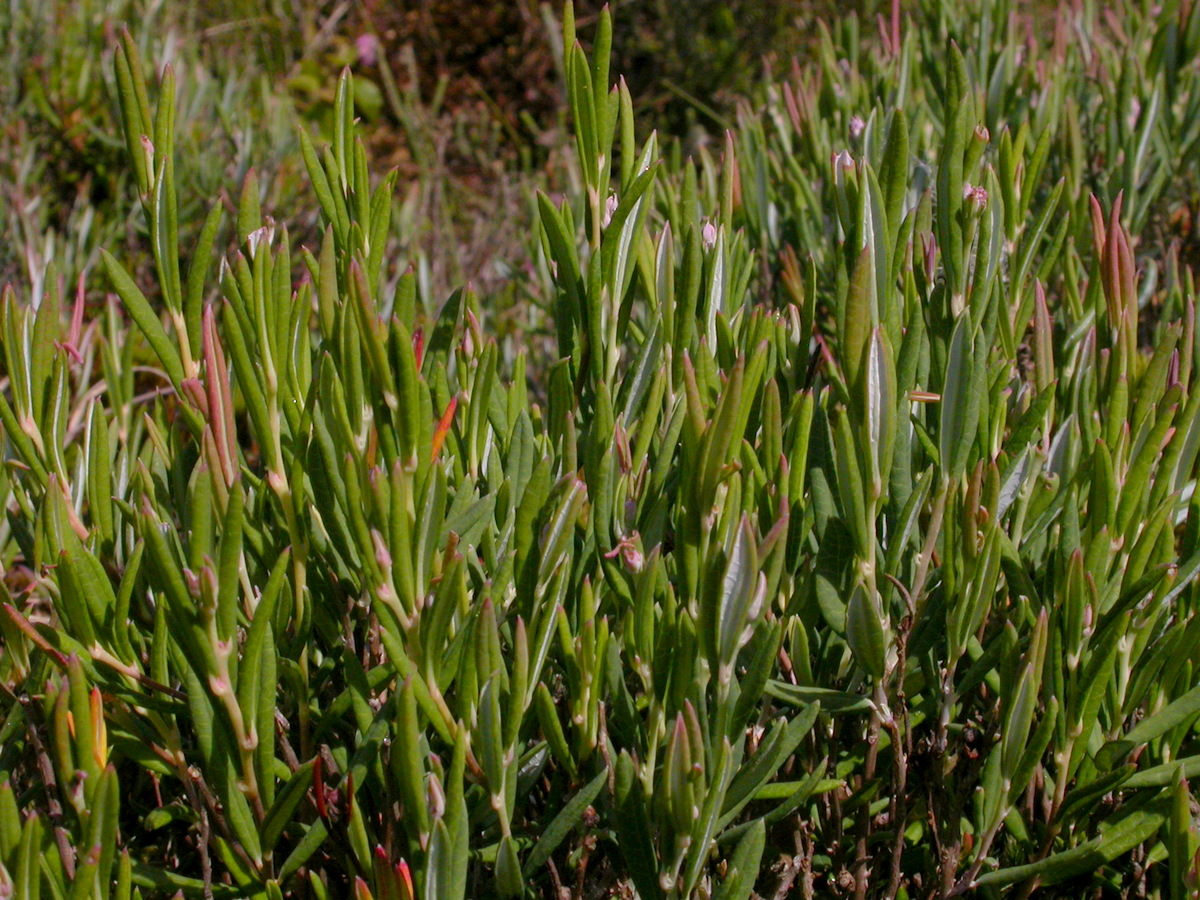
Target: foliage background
[804,498]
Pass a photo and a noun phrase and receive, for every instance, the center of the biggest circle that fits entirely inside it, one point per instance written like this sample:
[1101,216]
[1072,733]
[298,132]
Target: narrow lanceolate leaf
[633,830]
[407,761]
[950,191]
[557,535]
[26,874]
[1122,834]
[879,386]
[865,630]
[101,838]
[281,813]
[407,391]
[197,274]
[135,106]
[564,823]
[742,593]
[100,485]
[719,438]
[1176,713]
[147,320]
[777,746]
[960,401]
[743,867]
[859,318]
[893,174]
[552,729]
[1181,839]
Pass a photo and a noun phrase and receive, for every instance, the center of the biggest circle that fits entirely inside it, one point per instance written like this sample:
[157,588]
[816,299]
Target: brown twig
[204,827]
[901,750]
[53,804]
[862,868]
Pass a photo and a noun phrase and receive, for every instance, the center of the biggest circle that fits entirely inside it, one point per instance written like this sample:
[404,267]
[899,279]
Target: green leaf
[508,869]
[101,838]
[740,601]
[197,274]
[830,700]
[859,318]
[282,811]
[147,321]
[1176,713]
[407,767]
[135,106]
[633,830]
[558,534]
[566,821]
[26,875]
[865,629]
[960,401]
[1122,834]
[776,747]
[743,867]
[1180,839]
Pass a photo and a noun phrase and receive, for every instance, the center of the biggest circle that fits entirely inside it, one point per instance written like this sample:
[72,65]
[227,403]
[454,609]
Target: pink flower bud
[367,47]
[976,196]
[610,207]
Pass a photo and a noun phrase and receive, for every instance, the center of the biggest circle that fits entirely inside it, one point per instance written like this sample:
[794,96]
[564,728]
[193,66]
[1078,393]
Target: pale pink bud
[610,207]
[976,196]
[367,47]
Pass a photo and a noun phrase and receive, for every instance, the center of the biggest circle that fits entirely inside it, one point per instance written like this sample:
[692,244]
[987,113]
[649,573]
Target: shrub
[850,547]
